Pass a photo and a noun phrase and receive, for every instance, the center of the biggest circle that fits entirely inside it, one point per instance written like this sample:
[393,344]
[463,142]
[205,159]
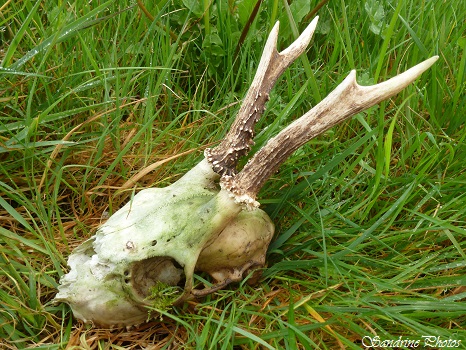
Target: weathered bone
[239,139]
[348,99]
[146,253]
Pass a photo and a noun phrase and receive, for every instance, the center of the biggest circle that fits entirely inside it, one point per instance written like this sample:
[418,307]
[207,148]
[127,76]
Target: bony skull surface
[240,247]
[146,253]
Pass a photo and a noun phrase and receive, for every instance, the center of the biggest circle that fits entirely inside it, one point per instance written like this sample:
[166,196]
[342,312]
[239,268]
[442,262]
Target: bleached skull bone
[162,236]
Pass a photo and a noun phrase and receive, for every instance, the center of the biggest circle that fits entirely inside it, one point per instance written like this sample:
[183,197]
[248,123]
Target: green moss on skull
[162,295]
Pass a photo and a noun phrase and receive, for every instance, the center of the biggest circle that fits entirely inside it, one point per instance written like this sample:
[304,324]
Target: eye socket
[147,273]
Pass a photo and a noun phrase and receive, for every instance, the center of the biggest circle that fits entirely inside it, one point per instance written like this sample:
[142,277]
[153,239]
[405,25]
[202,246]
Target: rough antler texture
[348,99]
[239,139]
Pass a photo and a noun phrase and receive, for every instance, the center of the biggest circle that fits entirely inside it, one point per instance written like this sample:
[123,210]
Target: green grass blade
[396,207]
[388,36]
[14,214]
[416,39]
[6,62]
[65,33]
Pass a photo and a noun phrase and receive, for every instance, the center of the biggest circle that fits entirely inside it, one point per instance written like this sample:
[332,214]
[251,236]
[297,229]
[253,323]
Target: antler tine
[348,99]
[239,139]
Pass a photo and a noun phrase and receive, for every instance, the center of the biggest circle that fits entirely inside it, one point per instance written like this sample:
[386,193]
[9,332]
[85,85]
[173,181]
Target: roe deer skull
[147,252]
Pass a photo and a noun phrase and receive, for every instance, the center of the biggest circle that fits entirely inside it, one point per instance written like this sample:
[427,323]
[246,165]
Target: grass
[98,101]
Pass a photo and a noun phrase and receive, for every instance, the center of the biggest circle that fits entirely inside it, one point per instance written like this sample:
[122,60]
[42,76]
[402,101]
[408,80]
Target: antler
[345,101]
[348,99]
[239,139]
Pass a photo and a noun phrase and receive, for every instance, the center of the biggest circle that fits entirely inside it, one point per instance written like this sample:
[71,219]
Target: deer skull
[157,240]
[147,252]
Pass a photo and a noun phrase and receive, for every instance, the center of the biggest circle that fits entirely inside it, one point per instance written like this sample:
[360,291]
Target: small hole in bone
[127,275]
[154,242]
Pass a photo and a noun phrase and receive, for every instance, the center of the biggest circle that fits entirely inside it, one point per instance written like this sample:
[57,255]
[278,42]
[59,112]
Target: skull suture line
[147,252]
